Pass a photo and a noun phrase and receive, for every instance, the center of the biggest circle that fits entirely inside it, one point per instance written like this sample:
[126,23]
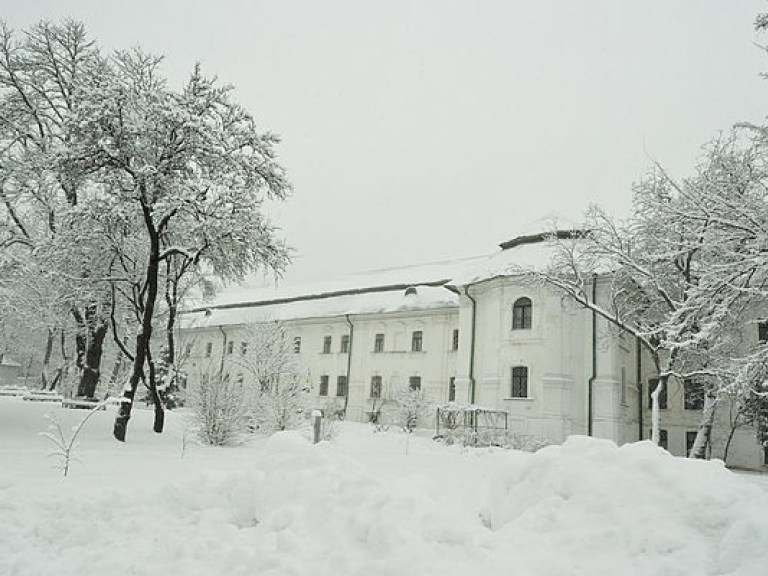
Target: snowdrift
[361,506]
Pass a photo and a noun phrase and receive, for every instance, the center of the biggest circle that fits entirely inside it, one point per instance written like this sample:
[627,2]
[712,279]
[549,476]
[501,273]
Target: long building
[475,331]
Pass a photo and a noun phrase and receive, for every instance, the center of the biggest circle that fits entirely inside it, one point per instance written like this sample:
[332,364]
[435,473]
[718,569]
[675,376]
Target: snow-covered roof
[432,273]
[376,291]
[324,306]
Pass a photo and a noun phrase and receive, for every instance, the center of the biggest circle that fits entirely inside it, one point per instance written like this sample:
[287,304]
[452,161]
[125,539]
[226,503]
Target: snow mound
[295,509]
[633,509]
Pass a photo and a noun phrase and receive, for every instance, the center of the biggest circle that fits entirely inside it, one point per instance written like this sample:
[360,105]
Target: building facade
[476,332]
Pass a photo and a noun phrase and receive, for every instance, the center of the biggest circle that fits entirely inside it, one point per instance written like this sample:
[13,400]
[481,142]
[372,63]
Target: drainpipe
[639,374]
[471,347]
[594,358]
[223,352]
[349,363]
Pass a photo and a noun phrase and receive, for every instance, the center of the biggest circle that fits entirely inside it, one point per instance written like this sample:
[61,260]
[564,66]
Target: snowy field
[362,505]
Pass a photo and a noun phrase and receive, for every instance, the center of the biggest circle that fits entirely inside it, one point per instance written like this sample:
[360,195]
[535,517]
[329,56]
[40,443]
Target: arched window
[522,314]
[519,387]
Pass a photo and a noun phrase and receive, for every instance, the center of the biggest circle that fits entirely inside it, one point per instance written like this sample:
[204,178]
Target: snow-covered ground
[366,503]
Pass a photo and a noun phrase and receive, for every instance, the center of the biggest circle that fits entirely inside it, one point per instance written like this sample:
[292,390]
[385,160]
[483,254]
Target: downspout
[349,363]
[639,376]
[592,378]
[471,347]
[223,352]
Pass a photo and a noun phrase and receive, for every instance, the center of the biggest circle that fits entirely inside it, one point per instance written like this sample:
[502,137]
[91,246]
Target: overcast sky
[417,131]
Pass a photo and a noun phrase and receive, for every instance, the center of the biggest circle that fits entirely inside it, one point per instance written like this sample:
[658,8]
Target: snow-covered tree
[221,408]
[267,363]
[674,275]
[41,78]
[412,406]
[189,170]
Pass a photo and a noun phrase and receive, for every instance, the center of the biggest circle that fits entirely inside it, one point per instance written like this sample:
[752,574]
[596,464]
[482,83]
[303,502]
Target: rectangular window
[230,347]
[762,331]
[188,350]
[375,386]
[652,383]
[693,394]
[327,341]
[297,344]
[341,386]
[624,385]
[344,344]
[378,343]
[414,382]
[455,340]
[519,382]
[663,439]
[208,349]
[690,438]
[323,386]
[243,348]
[416,341]
[452,389]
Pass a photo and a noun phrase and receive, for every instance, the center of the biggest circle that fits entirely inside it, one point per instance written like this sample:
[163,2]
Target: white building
[474,331]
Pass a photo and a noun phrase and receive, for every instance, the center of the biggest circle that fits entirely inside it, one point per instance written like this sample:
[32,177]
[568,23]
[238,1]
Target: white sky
[424,130]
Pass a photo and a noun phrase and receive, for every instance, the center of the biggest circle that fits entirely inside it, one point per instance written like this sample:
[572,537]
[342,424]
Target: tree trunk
[728,442]
[705,427]
[47,358]
[157,400]
[655,414]
[91,366]
[144,336]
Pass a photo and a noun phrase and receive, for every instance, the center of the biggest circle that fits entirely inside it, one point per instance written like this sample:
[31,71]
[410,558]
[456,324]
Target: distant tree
[41,78]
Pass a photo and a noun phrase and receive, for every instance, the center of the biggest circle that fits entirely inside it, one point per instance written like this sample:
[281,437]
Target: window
[208,349]
[344,344]
[452,387]
[327,344]
[522,314]
[762,331]
[323,386]
[230,347]
[624,385]
[520,382]
[378,343]
[243,348]
[375,386]
[693,394]
[416,341]
[455,340]
[652,383]
[414,382]
[663,439]
[690,438]
[188,350]
[297,344]
[341,386]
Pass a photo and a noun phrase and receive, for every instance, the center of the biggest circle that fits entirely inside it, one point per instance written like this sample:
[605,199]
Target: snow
[415,274]
[427,297]
[361,505]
